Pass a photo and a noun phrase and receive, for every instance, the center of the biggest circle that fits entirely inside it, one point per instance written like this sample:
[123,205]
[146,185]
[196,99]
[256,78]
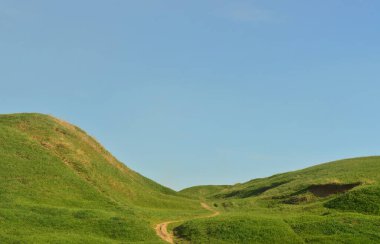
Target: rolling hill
[57,184]
[336,202]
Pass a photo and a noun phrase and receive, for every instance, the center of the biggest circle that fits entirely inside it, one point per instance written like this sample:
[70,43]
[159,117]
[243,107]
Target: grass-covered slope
[57,184]
[230,228]
[203,191]
[336,202]
[317,181]
[365,200]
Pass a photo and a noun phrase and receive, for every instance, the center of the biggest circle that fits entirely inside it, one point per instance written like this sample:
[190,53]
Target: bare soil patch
[330,189]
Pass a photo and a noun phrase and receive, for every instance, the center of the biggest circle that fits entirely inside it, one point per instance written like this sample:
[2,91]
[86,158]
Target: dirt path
[214,212]
[162,231]
[162,228]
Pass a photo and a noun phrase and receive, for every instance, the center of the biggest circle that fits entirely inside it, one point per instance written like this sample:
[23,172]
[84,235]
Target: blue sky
[201,92]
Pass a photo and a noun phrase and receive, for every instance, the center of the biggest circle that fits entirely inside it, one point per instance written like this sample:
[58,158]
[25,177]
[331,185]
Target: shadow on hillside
[320,190]
[330,189]
[244,193]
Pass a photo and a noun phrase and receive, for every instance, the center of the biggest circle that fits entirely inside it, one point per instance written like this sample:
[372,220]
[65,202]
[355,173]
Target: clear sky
[202,91]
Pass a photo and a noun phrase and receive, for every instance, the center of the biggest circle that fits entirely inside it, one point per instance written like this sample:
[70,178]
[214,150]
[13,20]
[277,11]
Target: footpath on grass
[162,228]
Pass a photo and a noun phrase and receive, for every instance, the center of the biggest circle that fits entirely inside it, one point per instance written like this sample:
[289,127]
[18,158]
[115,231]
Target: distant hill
[203,191]
[320,180]
[59,184]
[336,202]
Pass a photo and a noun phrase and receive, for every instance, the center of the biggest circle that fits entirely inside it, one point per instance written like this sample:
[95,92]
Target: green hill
[336,202]
[57,184]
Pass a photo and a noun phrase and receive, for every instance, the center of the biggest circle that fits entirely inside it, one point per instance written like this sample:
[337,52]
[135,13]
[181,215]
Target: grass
[365,200]
[337,228]
[202,191]
[236,228]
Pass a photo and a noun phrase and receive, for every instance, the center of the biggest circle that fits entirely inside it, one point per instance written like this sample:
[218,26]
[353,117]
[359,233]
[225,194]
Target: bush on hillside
[365,200]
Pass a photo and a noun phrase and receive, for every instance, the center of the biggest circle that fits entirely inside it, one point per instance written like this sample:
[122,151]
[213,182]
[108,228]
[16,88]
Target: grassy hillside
[58,184]
[362,170]
[336,202]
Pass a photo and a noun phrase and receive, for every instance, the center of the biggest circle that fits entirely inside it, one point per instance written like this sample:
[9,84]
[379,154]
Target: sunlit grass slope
[336,202]
[57,184]
[203,191]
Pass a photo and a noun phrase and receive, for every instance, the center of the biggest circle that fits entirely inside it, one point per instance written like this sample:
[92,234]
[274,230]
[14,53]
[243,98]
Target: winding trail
[162,228]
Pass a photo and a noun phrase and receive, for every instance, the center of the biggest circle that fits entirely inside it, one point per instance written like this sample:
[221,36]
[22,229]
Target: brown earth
[330,189]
